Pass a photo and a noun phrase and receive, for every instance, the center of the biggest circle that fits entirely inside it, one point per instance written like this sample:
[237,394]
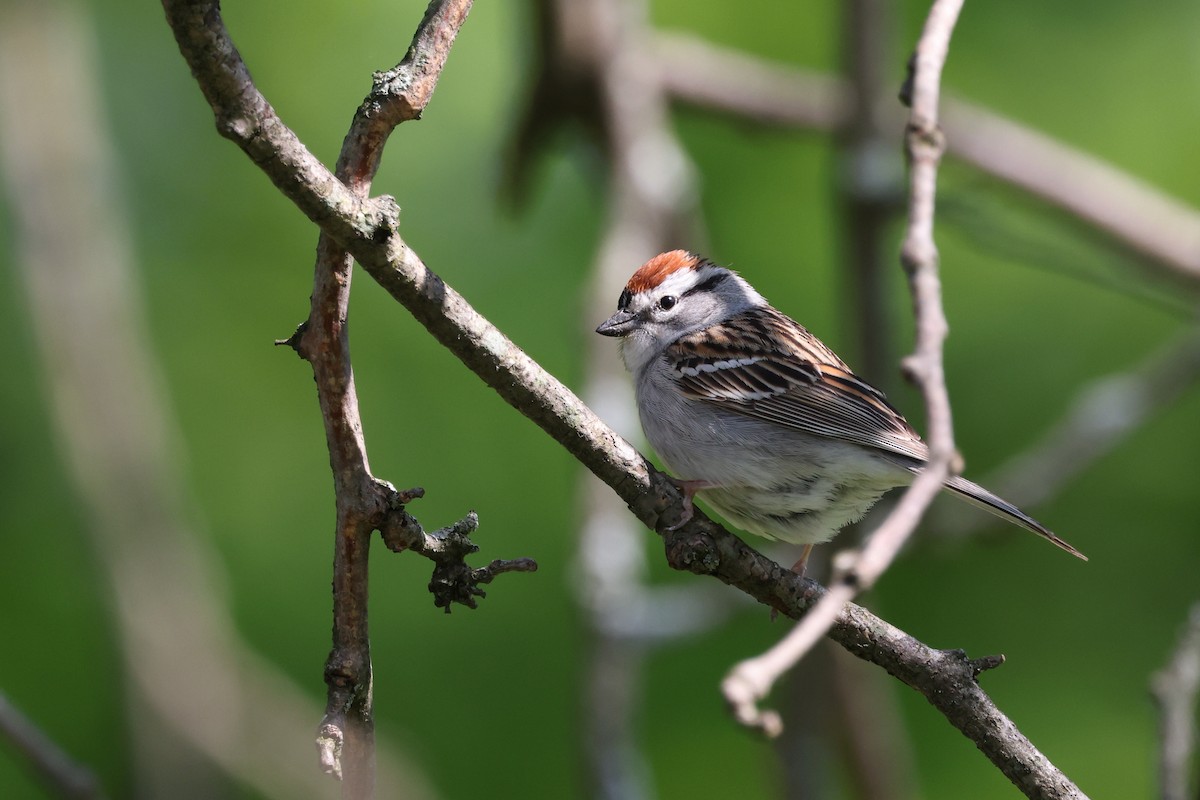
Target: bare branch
[1140,217]
[1175,688]
[338,203]
[751,680]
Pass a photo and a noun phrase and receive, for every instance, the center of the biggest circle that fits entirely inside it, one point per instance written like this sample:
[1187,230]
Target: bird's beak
[619,324]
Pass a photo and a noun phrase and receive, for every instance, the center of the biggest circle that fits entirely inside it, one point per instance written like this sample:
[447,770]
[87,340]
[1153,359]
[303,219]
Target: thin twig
[345,737]
[752,679]
[700,546]
[59,772]
[1175,688]
[205,707]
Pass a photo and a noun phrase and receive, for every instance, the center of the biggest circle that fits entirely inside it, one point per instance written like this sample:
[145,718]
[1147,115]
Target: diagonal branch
[367,229]
[60,773]
[1140,218]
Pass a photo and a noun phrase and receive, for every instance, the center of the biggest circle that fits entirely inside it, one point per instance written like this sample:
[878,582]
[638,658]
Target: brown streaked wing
[794,380]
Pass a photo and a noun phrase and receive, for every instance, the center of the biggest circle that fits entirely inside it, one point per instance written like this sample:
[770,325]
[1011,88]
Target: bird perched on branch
[757,416]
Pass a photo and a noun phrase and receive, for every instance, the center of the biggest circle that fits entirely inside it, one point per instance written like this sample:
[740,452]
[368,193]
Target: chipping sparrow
[757,416]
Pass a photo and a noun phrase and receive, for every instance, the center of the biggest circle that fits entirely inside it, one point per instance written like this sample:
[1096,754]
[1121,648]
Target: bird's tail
[979,496]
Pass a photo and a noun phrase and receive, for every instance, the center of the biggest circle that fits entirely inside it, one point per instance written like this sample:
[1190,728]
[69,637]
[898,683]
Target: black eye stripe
[623,300]
[708,284]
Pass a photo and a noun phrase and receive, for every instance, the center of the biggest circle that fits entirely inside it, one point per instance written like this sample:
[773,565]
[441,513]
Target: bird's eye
[668,302]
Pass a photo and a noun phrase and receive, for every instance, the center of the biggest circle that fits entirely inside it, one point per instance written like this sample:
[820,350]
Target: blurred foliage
[1036,304]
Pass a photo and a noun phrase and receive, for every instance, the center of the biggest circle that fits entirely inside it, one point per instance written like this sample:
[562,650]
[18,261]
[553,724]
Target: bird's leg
[800,566]
[689,489]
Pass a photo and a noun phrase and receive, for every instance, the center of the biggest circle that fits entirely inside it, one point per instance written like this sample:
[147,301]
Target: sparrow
[757,417]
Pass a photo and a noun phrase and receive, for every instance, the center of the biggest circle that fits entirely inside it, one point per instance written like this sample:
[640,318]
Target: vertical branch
[924,146]
[205,707]
[1175,688]
[870,182]
[345,737]
[750,680]
[338,202]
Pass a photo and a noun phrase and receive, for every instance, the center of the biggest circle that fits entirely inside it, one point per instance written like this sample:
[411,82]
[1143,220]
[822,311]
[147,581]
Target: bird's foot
[802,564]
[689,489]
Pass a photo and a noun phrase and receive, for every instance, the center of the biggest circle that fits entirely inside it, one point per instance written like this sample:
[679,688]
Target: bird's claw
[688,489]
[685,517]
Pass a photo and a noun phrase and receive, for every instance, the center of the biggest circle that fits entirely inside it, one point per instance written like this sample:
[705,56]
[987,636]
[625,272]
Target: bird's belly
[808,513]
[791,486]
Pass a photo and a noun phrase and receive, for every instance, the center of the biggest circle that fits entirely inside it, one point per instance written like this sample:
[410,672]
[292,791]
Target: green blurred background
[1037,308]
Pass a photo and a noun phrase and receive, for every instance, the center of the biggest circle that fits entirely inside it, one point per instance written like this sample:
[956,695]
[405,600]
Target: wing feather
[792,379]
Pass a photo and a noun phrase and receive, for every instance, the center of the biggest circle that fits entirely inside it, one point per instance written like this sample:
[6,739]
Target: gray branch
[1175,688]
[367,230]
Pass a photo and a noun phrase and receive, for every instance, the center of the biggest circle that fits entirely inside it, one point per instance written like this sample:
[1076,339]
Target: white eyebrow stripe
[682,281]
